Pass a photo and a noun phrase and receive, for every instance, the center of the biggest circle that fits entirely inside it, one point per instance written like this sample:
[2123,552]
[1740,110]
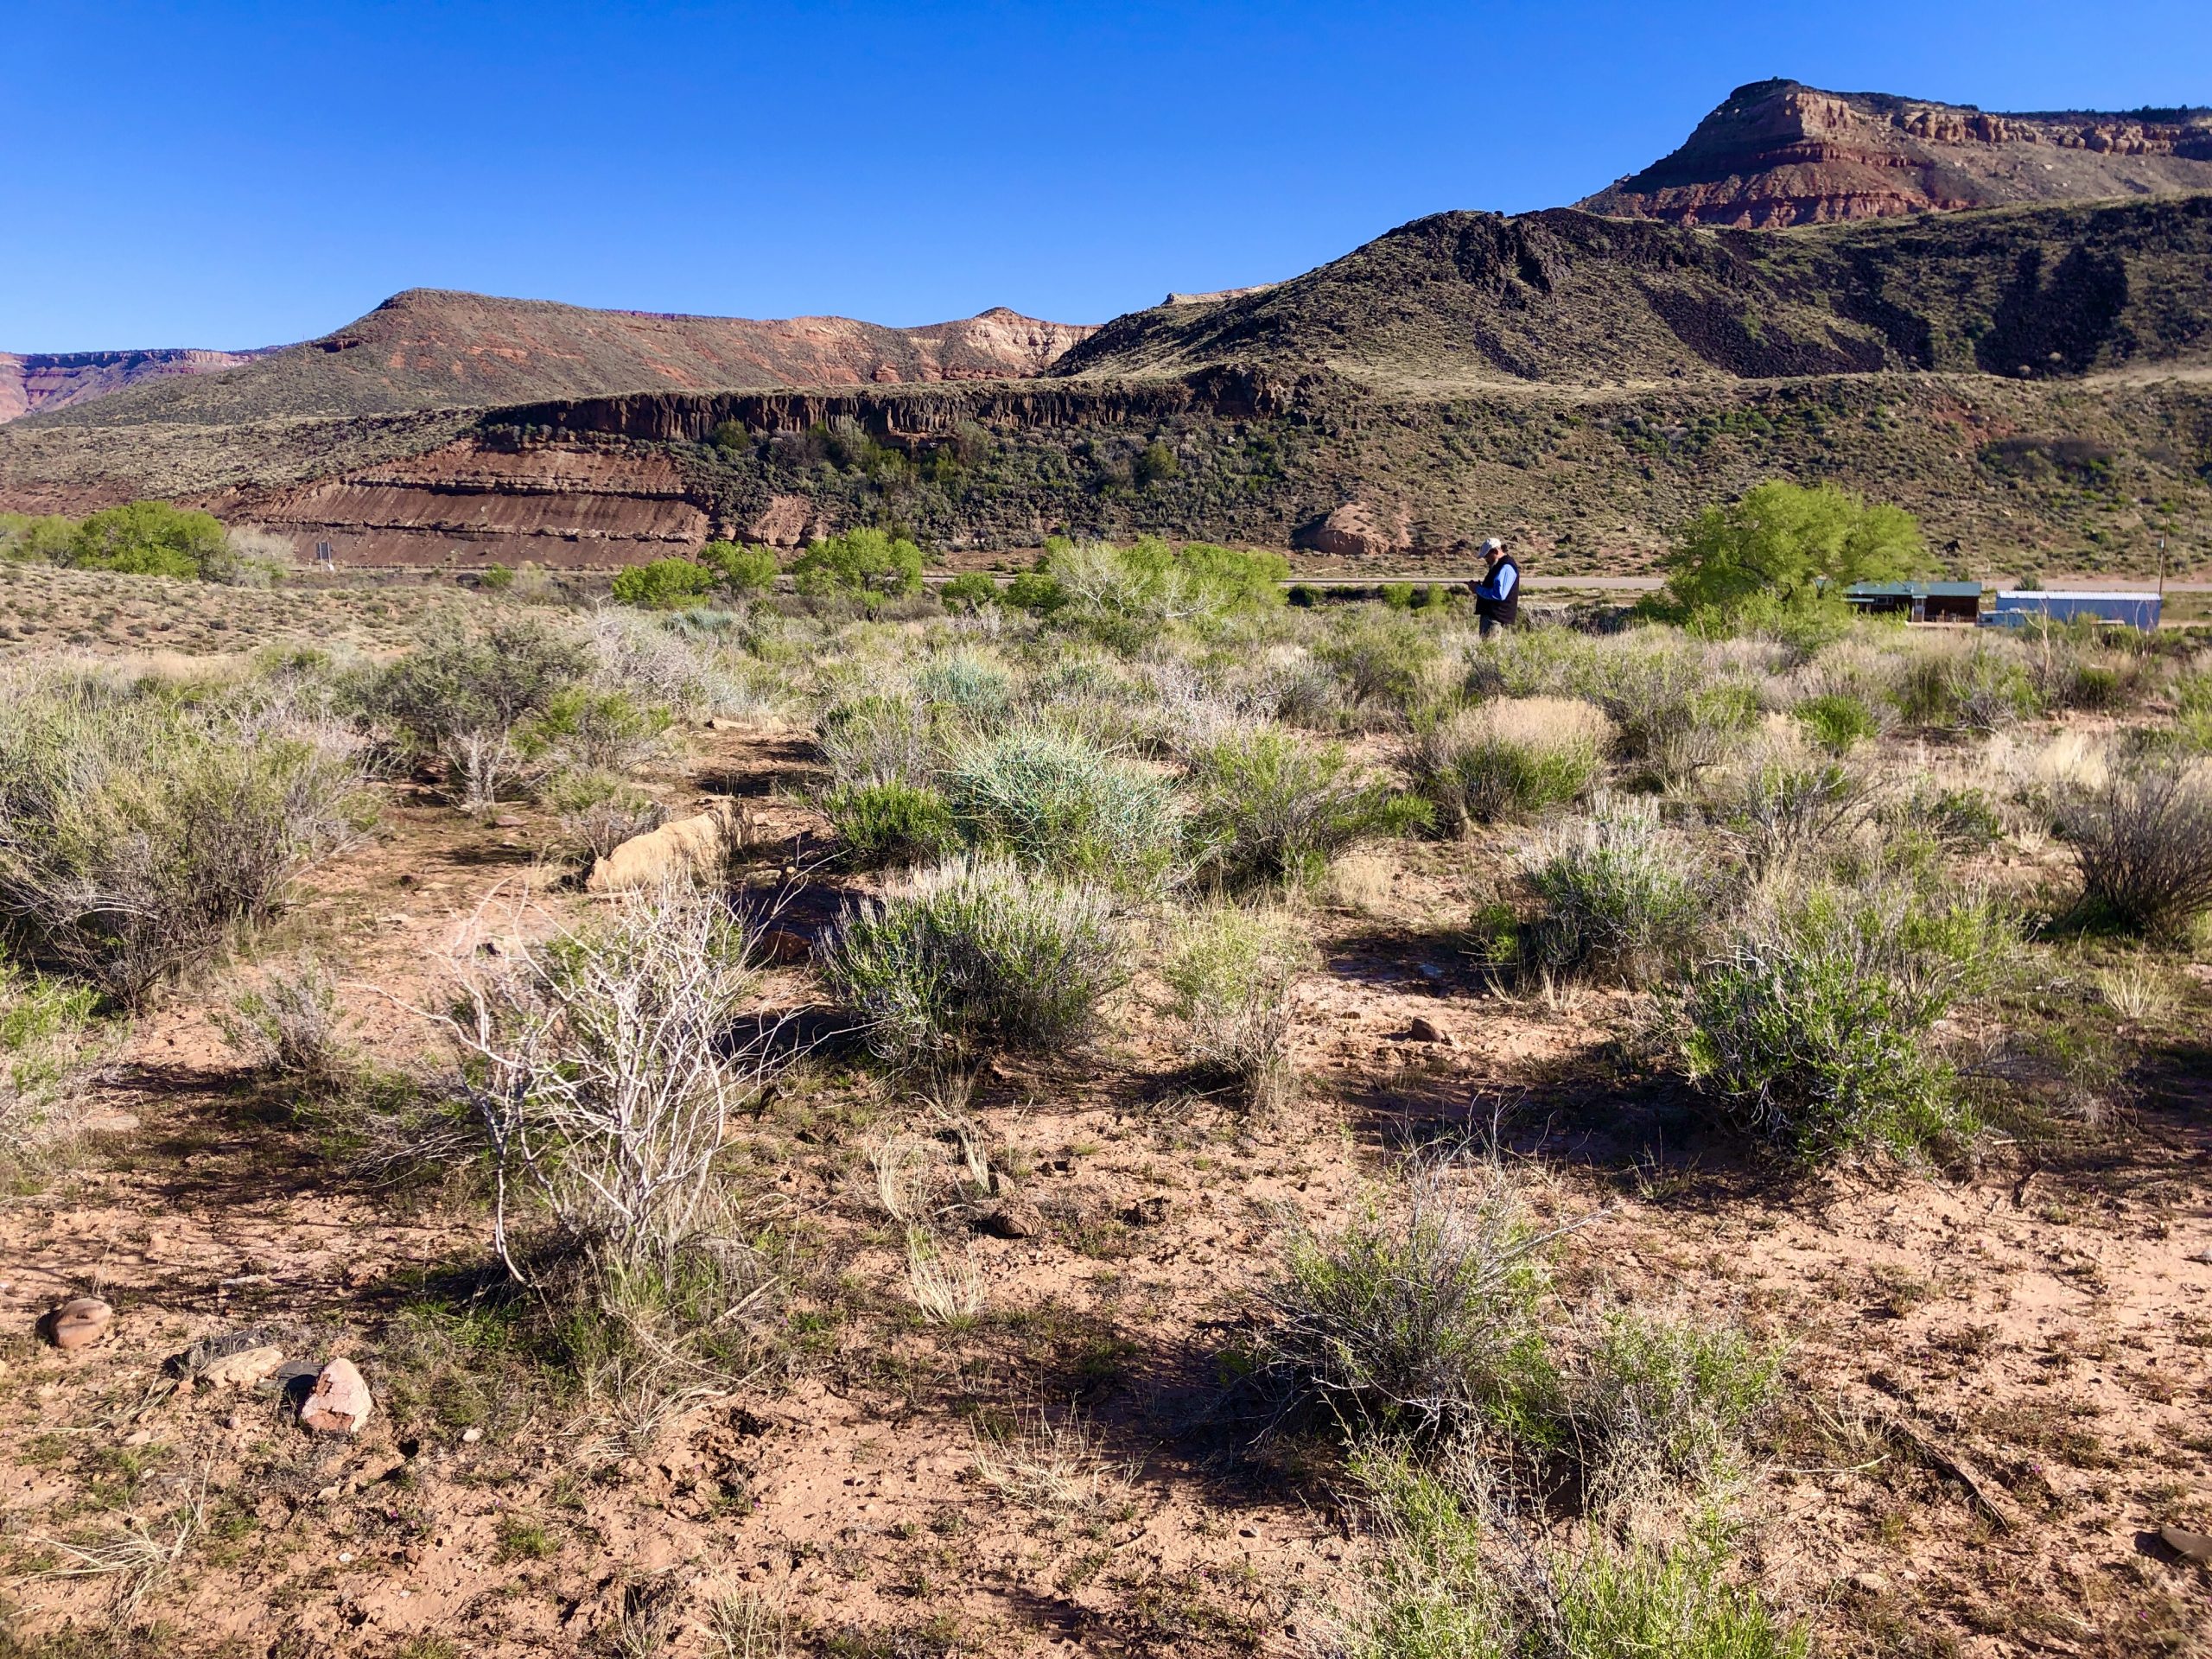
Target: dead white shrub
[603,1066]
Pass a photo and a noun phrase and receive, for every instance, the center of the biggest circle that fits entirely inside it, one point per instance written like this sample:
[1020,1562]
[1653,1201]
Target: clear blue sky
[234,174]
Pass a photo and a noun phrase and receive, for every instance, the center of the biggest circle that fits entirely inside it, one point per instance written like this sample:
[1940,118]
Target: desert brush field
[1114,1117]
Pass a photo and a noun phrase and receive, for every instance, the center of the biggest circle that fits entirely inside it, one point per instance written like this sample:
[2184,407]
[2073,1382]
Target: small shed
[2018,607]
[1921,601]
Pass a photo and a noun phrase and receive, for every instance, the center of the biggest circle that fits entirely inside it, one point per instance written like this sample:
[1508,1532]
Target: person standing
[1498,596]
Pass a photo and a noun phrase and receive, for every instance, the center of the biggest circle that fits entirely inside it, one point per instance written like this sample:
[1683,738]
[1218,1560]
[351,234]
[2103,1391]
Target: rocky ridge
[1777,153]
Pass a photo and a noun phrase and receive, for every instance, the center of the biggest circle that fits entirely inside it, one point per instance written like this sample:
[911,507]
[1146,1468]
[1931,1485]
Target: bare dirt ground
[1999,1386]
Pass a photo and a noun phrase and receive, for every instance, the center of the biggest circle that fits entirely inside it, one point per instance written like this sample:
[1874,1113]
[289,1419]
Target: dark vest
[1509,608]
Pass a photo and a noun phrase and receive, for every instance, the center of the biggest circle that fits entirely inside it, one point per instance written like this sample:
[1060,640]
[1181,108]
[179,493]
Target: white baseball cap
[1493,545]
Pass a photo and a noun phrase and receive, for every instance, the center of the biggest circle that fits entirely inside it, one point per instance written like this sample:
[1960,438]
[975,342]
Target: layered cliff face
[431,349]
[1777,154]
[30,382]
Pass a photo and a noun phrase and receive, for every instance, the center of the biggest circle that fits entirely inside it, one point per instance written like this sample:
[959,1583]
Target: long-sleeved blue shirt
[1499,584]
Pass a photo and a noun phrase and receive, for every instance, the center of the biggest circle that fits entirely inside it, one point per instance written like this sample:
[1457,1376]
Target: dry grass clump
[1231,971]
[48,1048]
[287,1024]
[1058,1464]
[1502,759]
[1618,890]
[2143,843]
[977,952]
[1420,1315]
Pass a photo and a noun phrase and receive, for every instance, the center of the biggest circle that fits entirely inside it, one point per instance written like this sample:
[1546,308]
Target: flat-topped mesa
[1777,154]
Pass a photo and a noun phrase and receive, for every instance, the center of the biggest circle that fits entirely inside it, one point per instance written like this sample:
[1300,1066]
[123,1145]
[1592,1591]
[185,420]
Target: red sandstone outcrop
[39,381]
[1360,529]
[1777,154]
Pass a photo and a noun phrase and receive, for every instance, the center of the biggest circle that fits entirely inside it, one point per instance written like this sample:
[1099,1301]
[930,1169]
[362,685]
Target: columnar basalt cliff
[1777,154]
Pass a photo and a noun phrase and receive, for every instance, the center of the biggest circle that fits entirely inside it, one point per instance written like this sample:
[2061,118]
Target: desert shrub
[859,564]
[1964,817]
[879,739]
[970,590]
[1785,544]
[1382,659]
[589,728]
[599,810]
[1037,592]
[1530,661]
[1619,891]
[1151,581]
[251,557]
[743,571]
[658,660]
[975,689]
[1812,1027]
[1982,688]
[47,1044]
[1782,806]
[976,953]
[1671,1397]
[1673,717]
[461,697]
[664,584]
[1837,721]
[1231,971]
[1500,759]
[1268,807]
[1056,802]
[2192,696]
[36,538]
[1455,1576]
[1419,1315]
[137,833]
[286,1025]
[889,822]
[496,578]
[603,1069]
[2143,843]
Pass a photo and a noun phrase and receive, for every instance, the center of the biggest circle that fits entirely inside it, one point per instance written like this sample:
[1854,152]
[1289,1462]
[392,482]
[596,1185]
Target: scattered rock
[508,821]
[1147,1212]
[470,1436]
[2195,1545]
[242,1369]
[1422,1030]
[78,1324]
[785,946]
[1010,1215]
[339,1402]
[675,850]
[1869,1584]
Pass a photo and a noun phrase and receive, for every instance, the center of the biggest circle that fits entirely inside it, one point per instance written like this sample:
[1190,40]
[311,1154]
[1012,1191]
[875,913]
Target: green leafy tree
[1155,464]
[859,563]
[744,570]
[150,538]
[36,540]
[1786,544]
[664,584]
[971,591]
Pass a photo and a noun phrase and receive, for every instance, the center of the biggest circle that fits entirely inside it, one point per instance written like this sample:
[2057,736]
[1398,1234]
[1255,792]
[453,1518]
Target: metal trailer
[2016,607]
[1921,601]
